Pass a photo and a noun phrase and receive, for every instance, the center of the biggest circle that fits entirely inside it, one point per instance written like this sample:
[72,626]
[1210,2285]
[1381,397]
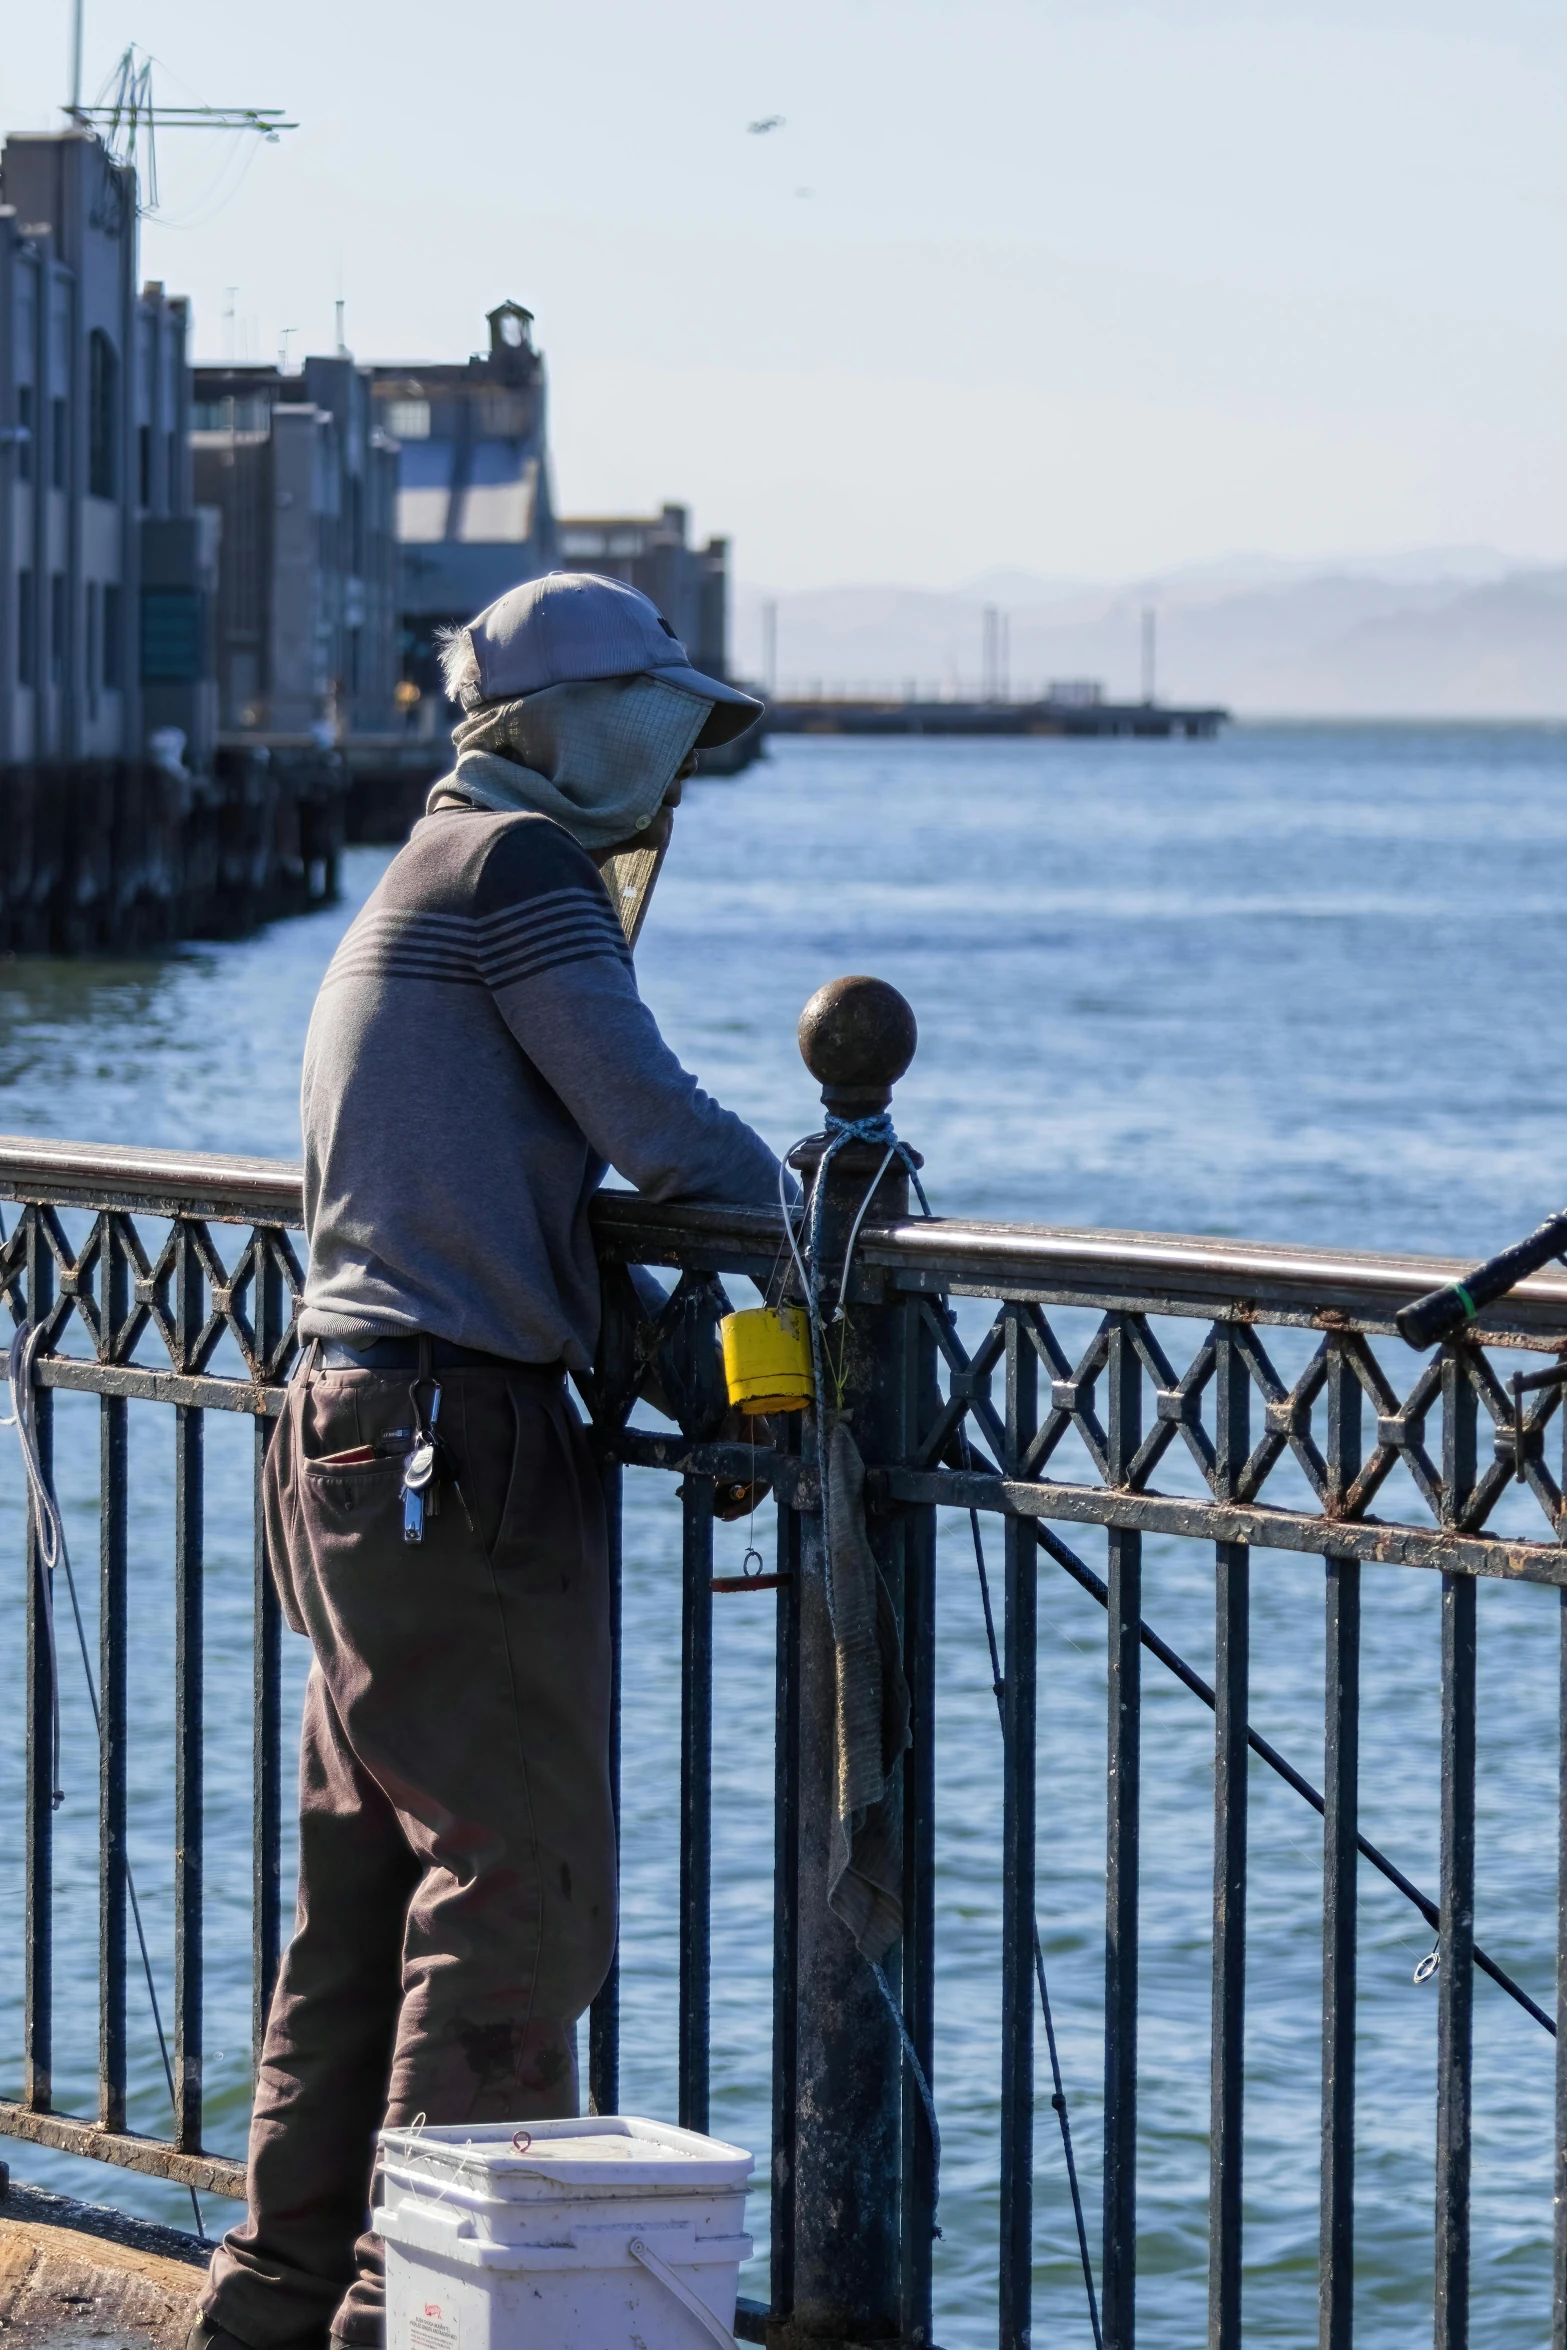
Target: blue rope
[877,1130]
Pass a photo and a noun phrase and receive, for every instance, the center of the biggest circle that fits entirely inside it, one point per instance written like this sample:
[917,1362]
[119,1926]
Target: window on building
[504,416]
[171,470]
[25,317]
[58,616]
[94,653]
[231,413]
[24,429]
[144,463]
[103,415]
[408,420]
[26,630]
[60,444]
[170,636]
[113,638]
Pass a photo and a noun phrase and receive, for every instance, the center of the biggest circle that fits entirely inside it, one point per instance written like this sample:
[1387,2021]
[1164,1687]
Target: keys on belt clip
[420,1466]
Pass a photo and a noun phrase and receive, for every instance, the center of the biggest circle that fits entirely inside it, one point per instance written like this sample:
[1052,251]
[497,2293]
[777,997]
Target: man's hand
[738,1501]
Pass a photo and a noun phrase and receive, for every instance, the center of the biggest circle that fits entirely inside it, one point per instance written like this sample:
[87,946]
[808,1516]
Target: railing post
[267,1693]
[1340,1860]
[113,1595]
[848,2281]
[919,1843]
[38,1974]
[696,1797]
[1018,1927]
[1232,1600]
[189,1546]
[604,2015]
[1455,1941]
[786,1858]
[614,1376]
[1123,1810]
[1559,2230]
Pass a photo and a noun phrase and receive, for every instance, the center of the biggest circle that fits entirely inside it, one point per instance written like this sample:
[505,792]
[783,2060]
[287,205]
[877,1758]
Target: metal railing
[985,1423]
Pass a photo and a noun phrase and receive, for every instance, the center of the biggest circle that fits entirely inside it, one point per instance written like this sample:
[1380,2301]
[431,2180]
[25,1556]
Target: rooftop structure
[473,499]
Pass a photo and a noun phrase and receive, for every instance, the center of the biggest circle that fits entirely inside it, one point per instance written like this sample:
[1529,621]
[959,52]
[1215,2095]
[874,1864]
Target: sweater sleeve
[555,960]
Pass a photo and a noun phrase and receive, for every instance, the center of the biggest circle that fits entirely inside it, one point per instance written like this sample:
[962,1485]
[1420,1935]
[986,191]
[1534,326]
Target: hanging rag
[865,1859]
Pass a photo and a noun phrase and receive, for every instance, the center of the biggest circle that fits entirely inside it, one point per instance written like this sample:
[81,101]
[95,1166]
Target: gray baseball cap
[573,625]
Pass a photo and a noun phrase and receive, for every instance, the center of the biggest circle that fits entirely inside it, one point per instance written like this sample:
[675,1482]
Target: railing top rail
[1147,1270]
[1143,1270]
[194,1183]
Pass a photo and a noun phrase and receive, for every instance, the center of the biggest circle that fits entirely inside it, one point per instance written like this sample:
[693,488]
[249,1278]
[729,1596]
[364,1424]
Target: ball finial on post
[857,1037]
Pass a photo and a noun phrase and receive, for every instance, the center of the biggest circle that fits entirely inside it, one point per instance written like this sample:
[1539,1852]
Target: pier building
[474,510]
[220,588]
[123,822]
[105,572]
[1072,706]
[305,483]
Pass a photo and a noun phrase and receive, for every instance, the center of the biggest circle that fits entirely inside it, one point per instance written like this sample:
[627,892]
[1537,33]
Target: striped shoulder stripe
[508,972]
[496,950]
[577,896]
[394,963]
[553,923]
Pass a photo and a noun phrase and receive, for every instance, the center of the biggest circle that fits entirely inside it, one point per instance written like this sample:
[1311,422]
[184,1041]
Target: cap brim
[732,711]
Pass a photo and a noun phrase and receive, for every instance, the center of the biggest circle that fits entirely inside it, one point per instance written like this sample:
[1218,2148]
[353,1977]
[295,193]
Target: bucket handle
[682,2292]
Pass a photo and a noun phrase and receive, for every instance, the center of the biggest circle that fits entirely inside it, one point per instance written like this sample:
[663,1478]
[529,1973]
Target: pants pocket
[540,1545]
[314,1505]
[280,1514]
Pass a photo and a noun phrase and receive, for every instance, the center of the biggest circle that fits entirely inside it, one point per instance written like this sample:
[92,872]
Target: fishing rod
[1443,1313]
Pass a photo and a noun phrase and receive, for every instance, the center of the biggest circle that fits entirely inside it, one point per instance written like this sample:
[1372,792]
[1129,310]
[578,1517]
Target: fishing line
[1058,2100]
[1082,1573]
[49,1528]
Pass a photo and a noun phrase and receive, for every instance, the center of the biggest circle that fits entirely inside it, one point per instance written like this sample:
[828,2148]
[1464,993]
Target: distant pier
[1047,717]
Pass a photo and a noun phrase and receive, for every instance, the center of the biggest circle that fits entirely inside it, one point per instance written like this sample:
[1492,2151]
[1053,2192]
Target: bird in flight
[768,122]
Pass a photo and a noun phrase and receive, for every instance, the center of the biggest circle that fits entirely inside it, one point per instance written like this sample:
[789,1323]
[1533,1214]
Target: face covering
[597,757]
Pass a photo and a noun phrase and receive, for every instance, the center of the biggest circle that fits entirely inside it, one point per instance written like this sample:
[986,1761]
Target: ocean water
[1296,984]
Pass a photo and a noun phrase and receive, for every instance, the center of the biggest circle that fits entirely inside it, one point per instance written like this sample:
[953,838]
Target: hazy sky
[1080,286]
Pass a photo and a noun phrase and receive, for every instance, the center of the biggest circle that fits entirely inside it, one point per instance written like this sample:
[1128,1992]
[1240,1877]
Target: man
[477,1054]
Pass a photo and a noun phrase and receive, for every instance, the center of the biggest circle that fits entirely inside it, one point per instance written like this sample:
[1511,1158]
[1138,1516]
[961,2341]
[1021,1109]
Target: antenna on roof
[127,118]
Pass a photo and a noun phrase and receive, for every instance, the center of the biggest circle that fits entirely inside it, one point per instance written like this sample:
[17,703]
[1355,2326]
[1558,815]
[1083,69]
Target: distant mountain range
[1462,632]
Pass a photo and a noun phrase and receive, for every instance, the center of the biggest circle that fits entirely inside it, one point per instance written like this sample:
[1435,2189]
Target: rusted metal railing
[177,1253]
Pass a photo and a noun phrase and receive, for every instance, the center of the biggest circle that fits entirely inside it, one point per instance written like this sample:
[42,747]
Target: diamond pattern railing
[186,1290]
[1460,1386]
[1129,1381]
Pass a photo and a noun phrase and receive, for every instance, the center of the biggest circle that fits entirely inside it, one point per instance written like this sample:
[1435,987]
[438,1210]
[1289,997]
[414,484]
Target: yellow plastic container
[767,1359]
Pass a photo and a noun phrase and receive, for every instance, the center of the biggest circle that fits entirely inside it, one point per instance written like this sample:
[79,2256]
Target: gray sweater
[478,1054]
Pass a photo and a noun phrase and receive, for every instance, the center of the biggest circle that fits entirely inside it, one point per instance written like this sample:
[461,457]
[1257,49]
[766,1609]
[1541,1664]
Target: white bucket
[607,2233]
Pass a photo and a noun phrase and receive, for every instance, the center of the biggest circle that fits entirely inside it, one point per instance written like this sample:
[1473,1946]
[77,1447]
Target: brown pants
[456,1842]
